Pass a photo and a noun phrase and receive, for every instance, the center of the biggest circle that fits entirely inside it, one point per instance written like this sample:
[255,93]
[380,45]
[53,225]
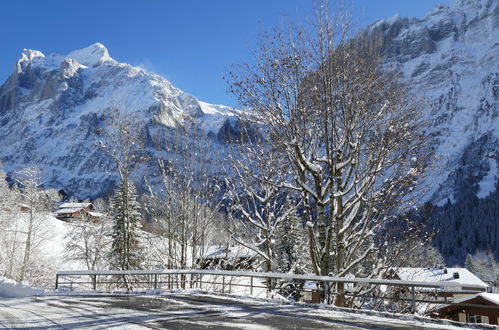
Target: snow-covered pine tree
[126,249]
[291,247]
[121,141]
[483,265]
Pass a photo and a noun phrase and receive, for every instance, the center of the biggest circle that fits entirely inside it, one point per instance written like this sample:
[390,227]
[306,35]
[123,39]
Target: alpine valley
[52,106]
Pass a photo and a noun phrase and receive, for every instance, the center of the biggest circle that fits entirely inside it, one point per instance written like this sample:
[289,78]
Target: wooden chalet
[479,308]
[24,208]
[77,211]
[227,257]
[462,282]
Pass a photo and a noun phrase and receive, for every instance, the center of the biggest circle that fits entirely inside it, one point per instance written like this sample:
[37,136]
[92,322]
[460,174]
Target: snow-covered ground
[24,307]
[193,310]
[11,288]
[48,242]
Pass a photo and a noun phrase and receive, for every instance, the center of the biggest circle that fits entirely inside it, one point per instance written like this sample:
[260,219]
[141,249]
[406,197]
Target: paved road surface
[184,311]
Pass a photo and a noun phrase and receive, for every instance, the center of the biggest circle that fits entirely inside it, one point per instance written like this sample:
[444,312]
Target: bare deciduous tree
[184,207]
[89,242]
[348,130]
[258,203]
[36,201]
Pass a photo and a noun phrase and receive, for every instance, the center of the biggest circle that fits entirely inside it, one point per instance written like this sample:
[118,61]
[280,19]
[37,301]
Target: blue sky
[192,43]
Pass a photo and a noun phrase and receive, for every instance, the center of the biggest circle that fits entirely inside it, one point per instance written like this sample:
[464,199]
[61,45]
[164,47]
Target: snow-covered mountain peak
[92,55]
[463,21]
[474,5]
[53,108]
[30,54]
[27,56]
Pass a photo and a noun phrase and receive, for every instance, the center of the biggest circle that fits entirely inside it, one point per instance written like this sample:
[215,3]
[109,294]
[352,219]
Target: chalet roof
[490,297]
[228,252]
[439,275]
[96,214]
[68,210]
[74,205]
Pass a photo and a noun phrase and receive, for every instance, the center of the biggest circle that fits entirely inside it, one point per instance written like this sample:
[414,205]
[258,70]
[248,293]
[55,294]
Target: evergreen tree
[122,143]
[126,249]
[291,247]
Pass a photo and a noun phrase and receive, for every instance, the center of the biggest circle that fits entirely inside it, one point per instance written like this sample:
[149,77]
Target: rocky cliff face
[451,59]
[51,108]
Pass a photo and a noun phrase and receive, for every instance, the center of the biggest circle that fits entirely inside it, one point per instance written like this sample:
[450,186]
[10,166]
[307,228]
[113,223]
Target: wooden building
[227,257]
[459,281]
[77,211]
[479,308]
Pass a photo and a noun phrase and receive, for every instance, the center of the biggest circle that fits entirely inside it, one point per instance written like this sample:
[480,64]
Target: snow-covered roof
[68,210]
[439,275]
[228,252]
[310,285]
[491,297]
[74,205]
[23,205]
[96,214]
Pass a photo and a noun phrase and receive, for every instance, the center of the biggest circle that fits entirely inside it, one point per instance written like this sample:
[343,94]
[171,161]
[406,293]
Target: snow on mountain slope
[451,58]
[52,106]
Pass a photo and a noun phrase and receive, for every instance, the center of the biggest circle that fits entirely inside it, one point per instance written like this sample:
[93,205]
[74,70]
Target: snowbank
[11,289]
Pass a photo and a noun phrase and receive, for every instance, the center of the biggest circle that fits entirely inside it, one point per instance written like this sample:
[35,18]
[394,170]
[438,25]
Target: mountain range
[52,105]
[450,59]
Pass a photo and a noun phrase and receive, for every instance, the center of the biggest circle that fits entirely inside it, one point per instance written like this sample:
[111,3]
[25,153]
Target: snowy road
[186,311]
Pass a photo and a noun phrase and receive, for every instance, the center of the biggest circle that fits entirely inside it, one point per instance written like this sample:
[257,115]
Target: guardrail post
[413,296]
[251,285]
[155,281]
[326,292]
[223,284]
[56,281]
[94,282]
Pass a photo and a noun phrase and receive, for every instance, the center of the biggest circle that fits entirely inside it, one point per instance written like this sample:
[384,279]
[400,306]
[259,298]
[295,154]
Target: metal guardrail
[196,278]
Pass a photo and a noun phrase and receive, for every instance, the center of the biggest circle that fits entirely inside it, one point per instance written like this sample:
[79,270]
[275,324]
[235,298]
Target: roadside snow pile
[11,289]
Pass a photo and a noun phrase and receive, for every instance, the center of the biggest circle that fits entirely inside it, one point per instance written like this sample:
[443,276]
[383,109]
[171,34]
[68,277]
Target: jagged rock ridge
[52,106]
[451,58]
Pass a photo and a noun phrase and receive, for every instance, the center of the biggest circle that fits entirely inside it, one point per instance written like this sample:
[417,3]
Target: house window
[471,318]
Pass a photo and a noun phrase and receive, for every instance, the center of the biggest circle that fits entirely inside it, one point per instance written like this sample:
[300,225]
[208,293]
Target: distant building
[227,257]
[23,207]
[455,283]
[461,281]
[16,207]
[479,308]
[77,211]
